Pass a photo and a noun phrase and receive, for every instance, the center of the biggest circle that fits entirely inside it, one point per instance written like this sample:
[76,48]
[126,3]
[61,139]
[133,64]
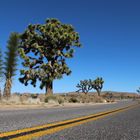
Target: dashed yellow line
[59,125]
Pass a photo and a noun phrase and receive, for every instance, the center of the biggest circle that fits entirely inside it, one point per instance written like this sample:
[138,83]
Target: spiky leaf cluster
[11,56]
[44,49]
[97,84]
[84,86]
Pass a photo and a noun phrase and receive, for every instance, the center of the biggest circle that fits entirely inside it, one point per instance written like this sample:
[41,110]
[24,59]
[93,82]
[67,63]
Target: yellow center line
[63,125]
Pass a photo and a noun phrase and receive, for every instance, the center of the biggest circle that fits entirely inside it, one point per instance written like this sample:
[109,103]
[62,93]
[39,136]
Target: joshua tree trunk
[49,88]
[99,92]
[7,89]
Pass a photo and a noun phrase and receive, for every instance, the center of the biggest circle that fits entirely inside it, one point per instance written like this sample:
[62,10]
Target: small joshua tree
[84,86]
[97,84]
[138,90]
[10,62]
[44,49]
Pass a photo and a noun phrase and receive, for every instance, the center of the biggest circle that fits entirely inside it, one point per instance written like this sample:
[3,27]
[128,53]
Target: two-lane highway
[35,119]
[18,119]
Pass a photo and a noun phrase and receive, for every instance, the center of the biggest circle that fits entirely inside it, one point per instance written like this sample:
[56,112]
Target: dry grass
[36,99]
[83,98]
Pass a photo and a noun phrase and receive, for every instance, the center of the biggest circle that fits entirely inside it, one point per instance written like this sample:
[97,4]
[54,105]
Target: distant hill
[115,94]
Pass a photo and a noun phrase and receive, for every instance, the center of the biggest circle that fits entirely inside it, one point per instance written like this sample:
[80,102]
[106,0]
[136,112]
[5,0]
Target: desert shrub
[99,99]
[108,95]
[41,97]
[56,98]
[51,97]
[92,99]
[60,99]
[34,96]
[84,98]
[73,100]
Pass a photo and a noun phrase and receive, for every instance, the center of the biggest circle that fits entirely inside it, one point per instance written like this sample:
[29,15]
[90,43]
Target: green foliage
[10,63]
[87,85]
[84,86]
[97,84]
[44,49]
[11,56]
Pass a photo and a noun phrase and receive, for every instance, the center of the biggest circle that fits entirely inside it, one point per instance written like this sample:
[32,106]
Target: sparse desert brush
[60,99]
[34,96]
[73,100]
[99,99]
[56,98]
[51,97]
[92,99]
[84,98]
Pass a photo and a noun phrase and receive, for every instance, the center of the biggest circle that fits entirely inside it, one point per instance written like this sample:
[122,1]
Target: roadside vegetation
[66,98]
[43,50]
[87,85]
[10,63]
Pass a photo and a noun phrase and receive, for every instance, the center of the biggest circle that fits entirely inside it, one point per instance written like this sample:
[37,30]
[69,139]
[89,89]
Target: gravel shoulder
[45,106]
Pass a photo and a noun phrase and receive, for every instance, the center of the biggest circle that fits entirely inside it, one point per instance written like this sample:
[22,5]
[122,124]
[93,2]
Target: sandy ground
[68,105]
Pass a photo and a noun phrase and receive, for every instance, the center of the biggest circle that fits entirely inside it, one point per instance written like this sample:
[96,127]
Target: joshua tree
[84,86]
[10,62]
[138,90]
[97,84]
[44,49]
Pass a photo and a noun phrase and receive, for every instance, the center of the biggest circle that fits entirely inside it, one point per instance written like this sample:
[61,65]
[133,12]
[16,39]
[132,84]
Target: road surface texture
[18,119]
[121,126]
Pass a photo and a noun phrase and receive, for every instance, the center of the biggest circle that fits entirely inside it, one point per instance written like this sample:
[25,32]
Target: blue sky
[109,32]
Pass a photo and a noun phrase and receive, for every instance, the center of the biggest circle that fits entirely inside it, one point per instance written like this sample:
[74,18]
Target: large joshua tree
[97,84]
[44,49]
[10,62]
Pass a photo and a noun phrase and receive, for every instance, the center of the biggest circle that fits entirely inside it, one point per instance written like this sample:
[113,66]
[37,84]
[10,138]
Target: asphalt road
[18,119]
[121,126]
